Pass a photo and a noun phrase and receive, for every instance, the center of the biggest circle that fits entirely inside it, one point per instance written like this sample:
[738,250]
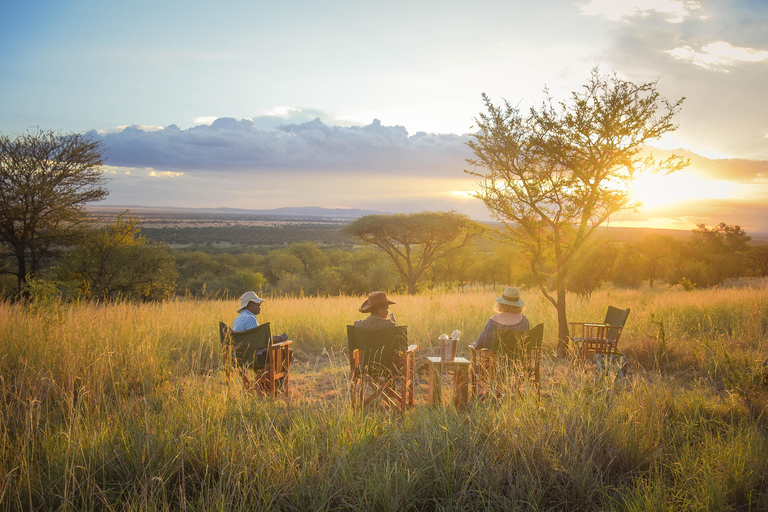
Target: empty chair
[381,365]
[599,338]
[514,360]
[254,351]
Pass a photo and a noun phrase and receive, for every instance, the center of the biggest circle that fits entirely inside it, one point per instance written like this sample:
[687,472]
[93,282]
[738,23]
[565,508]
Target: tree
[590,271]
[415,241]
[654,252]
[723,250]
[45,181]
[758,257]
[556,174]
[117,262]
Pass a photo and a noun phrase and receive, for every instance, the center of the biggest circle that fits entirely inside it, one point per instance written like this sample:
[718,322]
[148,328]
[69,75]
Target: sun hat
[375,300]
[511,297]
[249,297]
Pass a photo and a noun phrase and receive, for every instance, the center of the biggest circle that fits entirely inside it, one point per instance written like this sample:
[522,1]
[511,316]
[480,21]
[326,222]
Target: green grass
[125,407]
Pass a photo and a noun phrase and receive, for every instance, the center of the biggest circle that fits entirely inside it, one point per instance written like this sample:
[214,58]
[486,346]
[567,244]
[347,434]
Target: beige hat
[375,300]
[511,297]
[249,297]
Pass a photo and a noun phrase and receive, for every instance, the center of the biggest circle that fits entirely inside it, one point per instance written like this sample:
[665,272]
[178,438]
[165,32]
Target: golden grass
[125,406]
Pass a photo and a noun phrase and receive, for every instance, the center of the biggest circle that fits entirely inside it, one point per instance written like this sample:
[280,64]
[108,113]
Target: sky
[360,104]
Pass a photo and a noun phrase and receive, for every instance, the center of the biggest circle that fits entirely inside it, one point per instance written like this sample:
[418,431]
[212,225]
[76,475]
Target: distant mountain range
[314,212]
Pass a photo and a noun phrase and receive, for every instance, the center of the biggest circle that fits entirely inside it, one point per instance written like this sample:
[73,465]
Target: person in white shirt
[250,306]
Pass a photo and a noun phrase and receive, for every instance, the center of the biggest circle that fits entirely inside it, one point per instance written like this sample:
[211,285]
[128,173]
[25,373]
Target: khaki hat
[374,300]
[511,297]
[249,297]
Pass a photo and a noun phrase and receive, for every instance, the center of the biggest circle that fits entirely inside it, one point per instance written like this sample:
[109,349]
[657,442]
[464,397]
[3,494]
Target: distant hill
[162,216]
[309,211]
[299,212]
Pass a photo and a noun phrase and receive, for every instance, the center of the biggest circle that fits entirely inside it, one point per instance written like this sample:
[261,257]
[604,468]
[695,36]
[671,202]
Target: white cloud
[239,146]
[718,54]
[674,10]
[204,120]
[143,127]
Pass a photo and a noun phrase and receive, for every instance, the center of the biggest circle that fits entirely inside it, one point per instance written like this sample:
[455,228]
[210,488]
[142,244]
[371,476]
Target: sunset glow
[370,106]
[655,190]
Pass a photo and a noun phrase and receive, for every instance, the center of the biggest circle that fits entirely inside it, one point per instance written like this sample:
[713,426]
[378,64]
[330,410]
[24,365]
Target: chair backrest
[617,318]
[224,333]
[380,350]
[518,345]
[249,343]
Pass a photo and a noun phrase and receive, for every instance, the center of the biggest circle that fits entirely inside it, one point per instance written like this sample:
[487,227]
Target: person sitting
[509,309]
[380,316]
[250,306]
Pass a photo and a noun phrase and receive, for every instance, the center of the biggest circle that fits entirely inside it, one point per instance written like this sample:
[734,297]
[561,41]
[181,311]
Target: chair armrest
[282,344]
[412,348]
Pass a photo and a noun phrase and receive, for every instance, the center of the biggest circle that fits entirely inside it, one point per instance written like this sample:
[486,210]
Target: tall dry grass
[126,407]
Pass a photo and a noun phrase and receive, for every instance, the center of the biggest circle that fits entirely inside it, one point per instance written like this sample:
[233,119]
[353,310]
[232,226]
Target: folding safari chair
[513,360]
[381,365]
[599,338]
[254,351]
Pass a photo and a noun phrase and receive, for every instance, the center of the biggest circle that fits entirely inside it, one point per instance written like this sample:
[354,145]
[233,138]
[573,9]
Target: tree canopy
[45,181]
[555,174]
[116,262]
[415,241]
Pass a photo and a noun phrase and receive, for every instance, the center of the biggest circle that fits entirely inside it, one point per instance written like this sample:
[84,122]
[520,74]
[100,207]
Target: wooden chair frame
[242,351]
[599,338]
[515,358]
[381,365]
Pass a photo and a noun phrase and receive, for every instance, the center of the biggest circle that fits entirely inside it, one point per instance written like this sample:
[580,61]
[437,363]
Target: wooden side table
[460,367]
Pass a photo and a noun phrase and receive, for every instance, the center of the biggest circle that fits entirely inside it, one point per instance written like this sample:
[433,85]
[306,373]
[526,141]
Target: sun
[657,190]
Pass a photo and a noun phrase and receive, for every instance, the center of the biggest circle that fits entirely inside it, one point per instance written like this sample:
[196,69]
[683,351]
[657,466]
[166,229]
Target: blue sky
[367,104]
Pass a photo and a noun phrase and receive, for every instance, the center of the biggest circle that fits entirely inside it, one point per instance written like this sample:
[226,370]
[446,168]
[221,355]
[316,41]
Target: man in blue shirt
[250,306]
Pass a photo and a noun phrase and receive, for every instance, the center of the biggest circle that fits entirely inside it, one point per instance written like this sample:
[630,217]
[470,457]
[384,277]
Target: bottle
[455,335]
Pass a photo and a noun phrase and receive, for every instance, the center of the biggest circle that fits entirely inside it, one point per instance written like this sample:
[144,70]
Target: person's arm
[485,340]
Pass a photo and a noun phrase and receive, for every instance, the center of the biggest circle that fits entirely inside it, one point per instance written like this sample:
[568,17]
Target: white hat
[511,297]
[249,297]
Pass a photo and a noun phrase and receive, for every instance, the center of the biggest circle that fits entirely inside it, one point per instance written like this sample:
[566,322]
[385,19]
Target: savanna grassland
[126,407]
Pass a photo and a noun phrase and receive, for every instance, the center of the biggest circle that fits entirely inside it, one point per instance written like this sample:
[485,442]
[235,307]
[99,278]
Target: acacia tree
[118,262]
[415,241]
[723,250]
[45,181]
[556,174]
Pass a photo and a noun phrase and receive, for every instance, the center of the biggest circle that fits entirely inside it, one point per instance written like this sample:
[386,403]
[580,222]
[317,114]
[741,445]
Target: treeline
[249,236]
[708,258]
[120,262]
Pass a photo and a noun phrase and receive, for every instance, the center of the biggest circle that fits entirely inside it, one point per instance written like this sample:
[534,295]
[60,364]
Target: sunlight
[463,194]
[656,190]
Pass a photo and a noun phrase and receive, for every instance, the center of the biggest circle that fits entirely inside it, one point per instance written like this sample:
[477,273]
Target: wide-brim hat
[511,297]
[249,297]
[375,300]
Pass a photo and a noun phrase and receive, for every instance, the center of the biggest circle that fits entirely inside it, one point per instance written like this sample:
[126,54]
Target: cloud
[715,58]
[735,170]
[674,10]
[751,215]
[239,146]
[717,55]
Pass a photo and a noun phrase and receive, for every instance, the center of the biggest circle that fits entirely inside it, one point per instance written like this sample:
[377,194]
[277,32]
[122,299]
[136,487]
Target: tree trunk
[562,320]
[22,273]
